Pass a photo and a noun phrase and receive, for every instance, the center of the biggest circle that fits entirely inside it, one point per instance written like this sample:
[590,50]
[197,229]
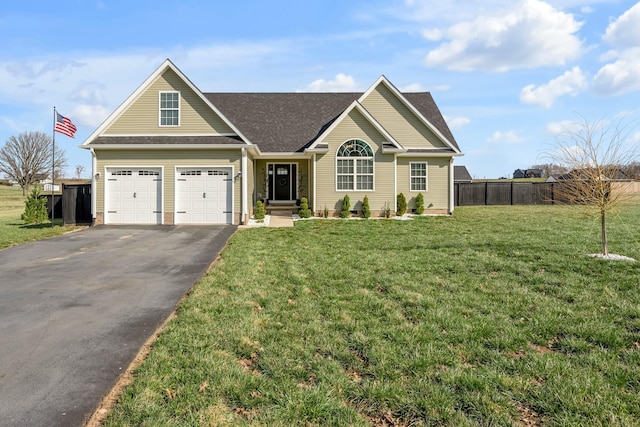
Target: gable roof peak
[166,65]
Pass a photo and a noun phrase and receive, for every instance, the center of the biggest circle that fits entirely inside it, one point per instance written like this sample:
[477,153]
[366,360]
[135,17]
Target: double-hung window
[169,108]
[418,176]
[354,166]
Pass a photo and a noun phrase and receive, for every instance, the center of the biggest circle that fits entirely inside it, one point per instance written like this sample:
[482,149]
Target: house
[527,173]
[171,154]
[609,174]
[461,175]
[44,180]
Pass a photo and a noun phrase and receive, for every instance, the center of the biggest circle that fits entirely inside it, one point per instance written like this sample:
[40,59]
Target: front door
[282,181]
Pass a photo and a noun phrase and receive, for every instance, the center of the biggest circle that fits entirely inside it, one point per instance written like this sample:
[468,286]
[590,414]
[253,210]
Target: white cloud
[621,76]
[432,34]
[89,115]
[457,122]
[571,82]
[530,34]
[624,32]
[510,137]
[341,83]
[564,127]
[413,87]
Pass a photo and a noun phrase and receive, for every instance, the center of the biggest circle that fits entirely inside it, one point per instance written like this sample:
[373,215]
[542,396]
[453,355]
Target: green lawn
[13,230]
[494,316]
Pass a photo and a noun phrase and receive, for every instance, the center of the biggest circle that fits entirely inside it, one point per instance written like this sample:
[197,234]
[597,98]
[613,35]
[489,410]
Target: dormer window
[169,108]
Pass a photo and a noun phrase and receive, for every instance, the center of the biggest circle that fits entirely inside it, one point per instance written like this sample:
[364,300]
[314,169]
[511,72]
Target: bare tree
[27,157]
[79,170]
[596,153]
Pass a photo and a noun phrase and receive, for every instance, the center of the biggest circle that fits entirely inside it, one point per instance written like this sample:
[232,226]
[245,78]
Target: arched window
[354,166]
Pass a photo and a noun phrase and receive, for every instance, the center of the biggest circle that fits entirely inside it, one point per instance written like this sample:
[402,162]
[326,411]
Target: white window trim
[426,177]
[355,168]
[160,109]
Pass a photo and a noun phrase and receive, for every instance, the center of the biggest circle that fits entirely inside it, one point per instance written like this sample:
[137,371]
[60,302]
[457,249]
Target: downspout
[243,183]
[94,185]
[451,185]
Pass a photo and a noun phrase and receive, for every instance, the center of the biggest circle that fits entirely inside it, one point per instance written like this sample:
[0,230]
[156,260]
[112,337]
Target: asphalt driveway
[75,310]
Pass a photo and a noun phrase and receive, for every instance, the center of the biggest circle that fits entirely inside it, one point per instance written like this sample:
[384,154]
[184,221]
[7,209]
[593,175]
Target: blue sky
[507,75]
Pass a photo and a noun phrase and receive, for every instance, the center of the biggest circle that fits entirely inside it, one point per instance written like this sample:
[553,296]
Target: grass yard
[13,230]
[494,316]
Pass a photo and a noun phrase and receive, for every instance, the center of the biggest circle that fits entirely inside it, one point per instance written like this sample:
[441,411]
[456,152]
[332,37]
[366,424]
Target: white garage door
[204,196]
[133,196]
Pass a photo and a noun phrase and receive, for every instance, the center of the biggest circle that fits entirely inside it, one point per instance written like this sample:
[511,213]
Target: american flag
[64,125]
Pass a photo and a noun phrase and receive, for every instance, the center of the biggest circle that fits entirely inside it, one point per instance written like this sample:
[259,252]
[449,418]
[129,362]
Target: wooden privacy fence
[73,205]
[504,193]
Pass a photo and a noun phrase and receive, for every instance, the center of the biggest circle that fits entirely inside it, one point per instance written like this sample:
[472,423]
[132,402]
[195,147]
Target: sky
[508,76]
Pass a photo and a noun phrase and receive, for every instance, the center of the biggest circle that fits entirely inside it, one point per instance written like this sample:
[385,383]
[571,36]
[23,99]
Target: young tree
[596,153]
[79,170]
[27,156]
[35,209]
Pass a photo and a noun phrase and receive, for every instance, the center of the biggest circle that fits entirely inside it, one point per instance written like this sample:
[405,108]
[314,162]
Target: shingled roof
[290,122]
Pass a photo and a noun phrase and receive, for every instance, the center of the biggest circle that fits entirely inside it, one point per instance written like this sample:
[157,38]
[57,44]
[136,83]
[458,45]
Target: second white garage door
[204,196]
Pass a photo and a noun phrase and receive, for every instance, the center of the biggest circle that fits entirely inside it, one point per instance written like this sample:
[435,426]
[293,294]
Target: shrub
[345,211]
[304,211]
[387,210]
[325,212]
[366,210]
[35,209]
[419,204]
[402,204]
[259,212]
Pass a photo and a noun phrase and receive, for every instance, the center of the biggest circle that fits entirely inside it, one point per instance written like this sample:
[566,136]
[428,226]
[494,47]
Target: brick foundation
[99,218]
[168,218]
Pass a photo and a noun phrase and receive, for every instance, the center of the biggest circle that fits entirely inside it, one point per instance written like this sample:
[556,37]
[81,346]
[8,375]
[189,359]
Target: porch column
[315,197]
[243,183]
[94,184]
[451,192]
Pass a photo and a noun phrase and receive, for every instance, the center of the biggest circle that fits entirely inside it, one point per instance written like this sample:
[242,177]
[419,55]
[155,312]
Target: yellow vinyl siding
[168,160]
[437,194]
[354,126]
[141,117]
[399,120]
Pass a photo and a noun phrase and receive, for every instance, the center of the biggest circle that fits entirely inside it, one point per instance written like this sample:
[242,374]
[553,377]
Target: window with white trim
[418,176]
[169,108]
[354,166]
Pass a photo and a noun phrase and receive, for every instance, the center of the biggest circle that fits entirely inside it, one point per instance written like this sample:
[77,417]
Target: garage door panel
[133,196]
[203,196]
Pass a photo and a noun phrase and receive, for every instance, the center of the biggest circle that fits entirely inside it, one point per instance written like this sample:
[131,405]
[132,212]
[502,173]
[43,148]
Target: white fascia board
[383,80]
[278,155]
[164,146]
[132,135]
[428,154]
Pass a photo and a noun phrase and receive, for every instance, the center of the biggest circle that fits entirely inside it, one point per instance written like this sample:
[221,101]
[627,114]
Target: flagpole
[53,170]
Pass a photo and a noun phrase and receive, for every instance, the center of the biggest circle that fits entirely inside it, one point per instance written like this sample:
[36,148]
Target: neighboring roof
[461,174]
[166,139]
[290,122]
